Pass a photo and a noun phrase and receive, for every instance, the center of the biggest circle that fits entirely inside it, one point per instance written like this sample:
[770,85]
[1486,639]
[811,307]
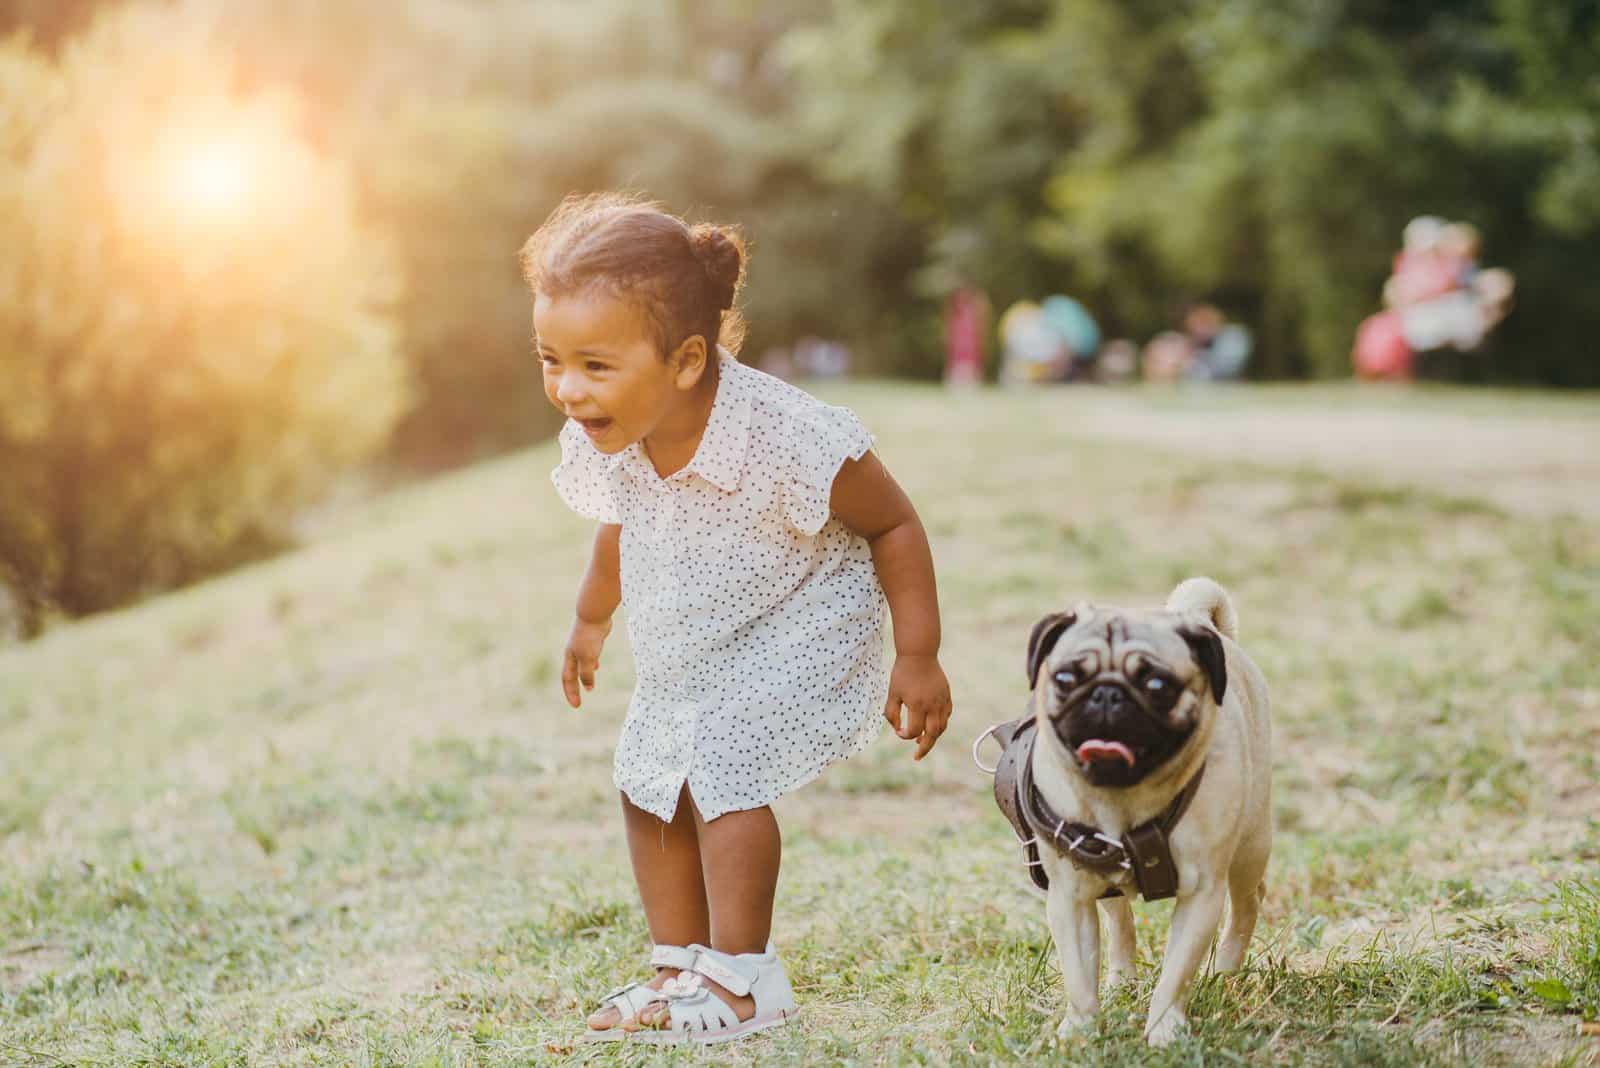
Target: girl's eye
[594,365]
[547,359]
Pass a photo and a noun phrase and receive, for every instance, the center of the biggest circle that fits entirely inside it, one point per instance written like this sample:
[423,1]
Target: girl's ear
[688,361]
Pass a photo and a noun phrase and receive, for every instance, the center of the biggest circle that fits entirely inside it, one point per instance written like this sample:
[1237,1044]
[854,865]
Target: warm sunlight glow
[214,178]
[211,187]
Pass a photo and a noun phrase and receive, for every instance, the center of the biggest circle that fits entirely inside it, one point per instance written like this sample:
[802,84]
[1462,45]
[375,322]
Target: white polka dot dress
[755,615]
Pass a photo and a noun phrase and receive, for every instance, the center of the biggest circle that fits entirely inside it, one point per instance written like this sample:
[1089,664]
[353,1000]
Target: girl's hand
[918,683]
[581,658]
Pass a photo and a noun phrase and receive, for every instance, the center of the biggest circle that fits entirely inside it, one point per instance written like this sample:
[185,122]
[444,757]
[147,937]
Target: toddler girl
[754,539]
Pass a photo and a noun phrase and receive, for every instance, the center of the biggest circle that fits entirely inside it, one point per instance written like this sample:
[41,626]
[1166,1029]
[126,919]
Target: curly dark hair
[685,279]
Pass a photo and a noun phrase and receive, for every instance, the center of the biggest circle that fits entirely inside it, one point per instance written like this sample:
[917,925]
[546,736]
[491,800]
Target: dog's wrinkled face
[1121,692]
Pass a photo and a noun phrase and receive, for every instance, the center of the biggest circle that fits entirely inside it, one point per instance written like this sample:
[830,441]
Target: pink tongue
[1100,749]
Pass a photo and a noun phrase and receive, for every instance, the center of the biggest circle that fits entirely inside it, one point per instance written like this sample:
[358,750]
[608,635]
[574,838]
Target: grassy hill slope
[332,809]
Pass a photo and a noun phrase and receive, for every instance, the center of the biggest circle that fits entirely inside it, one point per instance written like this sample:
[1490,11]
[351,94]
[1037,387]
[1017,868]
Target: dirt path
[1520,455]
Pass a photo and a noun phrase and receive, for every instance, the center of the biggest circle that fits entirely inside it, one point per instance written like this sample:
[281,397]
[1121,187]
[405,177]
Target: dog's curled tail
[1206,597]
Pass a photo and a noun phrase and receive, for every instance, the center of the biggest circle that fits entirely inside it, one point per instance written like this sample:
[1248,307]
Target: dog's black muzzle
[1107,710]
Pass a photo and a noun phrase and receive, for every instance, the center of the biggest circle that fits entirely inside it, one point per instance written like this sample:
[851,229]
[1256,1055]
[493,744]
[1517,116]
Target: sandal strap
[730,972]
[629,999]
[695,1008]
[694,1013]
[679,957]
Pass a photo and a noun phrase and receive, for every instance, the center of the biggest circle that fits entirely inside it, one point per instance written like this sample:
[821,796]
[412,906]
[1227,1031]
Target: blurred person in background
[966,335]
[1034,350]
[1118,362]
[816,357]
[1208,348]
[1166,357]
[1078,332]
[1439,303]
[1219,349]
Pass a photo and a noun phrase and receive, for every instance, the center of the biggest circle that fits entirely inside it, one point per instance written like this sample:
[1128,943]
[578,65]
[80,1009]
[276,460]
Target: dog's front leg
[1122,948]
[1075,926]
[1194,925]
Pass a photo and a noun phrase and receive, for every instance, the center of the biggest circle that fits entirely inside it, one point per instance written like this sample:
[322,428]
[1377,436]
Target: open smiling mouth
[594,427]
[1107,750]
[1121,754]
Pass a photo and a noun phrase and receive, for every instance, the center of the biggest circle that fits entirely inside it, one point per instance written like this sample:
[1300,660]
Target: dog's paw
[1074,1025]
[1229,958]
[1166,1030]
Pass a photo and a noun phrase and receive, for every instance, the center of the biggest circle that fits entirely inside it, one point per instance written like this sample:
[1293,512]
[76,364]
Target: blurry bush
[196,333]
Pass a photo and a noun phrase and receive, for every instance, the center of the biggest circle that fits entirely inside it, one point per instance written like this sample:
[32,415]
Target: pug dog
[1130,707]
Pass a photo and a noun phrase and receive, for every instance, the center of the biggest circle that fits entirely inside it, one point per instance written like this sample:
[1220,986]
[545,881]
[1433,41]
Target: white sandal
[695,1014]
[628,1000]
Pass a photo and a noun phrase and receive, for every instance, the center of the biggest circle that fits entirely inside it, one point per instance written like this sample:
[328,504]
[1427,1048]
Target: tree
[1527,122]
[952,118]
[195,325]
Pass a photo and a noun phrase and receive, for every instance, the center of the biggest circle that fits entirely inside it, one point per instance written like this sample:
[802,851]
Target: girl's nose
[568,389]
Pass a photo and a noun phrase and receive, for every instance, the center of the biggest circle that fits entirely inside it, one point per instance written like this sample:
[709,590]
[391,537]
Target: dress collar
[719,458]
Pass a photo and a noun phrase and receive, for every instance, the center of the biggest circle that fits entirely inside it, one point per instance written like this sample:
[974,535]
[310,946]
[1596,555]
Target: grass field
[332,809]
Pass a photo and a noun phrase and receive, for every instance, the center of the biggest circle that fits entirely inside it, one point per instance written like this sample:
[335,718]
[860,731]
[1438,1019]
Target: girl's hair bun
[720,251]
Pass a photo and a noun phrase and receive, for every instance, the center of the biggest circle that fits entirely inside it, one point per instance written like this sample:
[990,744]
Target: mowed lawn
[333,810]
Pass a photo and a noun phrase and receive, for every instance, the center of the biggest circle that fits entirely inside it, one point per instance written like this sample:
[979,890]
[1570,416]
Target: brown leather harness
[1144,852]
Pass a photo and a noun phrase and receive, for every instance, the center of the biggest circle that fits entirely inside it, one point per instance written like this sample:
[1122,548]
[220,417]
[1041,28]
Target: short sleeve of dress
[583,478]
[823,439]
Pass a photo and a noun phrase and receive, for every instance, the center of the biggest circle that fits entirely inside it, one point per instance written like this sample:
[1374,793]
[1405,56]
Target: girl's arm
[601,589]
[598,596]
[868,500]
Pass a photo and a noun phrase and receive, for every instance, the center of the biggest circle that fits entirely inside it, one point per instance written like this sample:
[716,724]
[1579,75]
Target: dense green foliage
[1262,153]
[176,380]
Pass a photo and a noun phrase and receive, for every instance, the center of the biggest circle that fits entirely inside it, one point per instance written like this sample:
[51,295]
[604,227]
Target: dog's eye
[1155,684]
[1065,679]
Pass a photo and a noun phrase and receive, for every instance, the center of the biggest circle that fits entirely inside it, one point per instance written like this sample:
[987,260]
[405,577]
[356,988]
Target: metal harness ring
[978,742]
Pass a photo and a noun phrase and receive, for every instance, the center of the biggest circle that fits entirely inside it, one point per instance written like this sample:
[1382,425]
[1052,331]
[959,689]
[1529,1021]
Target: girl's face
[602,367]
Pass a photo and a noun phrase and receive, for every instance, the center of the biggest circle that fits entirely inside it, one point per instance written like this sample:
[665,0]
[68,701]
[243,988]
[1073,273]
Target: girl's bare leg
[739,858]
[667,868]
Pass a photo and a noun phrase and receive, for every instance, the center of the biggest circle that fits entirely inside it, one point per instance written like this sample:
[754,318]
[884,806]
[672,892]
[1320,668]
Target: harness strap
[1144,851]
[1015,737]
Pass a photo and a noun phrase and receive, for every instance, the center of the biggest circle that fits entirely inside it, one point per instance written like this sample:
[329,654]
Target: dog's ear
[1206,647]
[1043,639]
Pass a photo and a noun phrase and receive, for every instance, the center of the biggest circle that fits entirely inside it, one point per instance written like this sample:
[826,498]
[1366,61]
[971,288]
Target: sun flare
[202,190]
[213,178]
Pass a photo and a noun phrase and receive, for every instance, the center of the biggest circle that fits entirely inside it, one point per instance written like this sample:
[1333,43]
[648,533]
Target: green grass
[332,809]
